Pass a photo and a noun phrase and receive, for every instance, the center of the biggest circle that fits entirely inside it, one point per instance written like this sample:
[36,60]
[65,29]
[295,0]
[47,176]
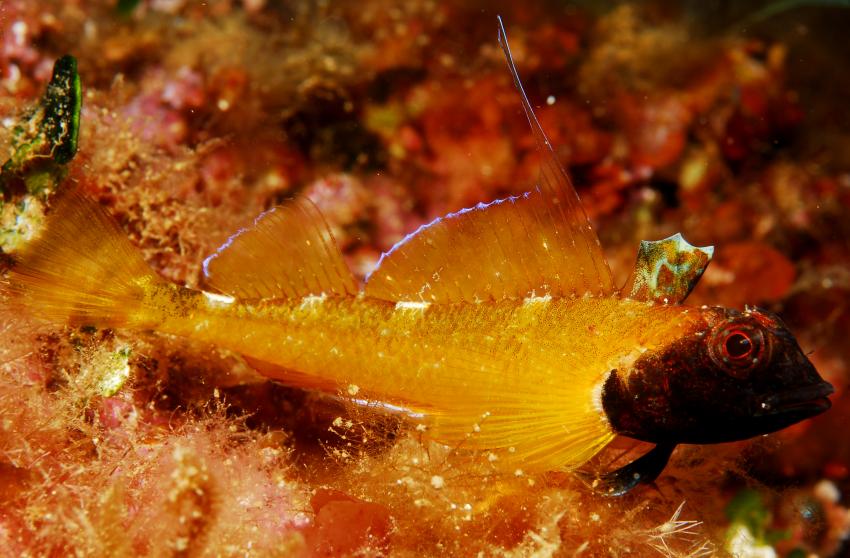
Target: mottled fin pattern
[82,269]
[537,243]
[667,270]
[288,252]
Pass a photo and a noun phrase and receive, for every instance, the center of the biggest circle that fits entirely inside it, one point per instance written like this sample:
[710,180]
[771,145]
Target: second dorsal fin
[288,252]
[537,243]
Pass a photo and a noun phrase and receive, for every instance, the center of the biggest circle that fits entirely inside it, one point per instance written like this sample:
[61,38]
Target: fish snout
[808,400]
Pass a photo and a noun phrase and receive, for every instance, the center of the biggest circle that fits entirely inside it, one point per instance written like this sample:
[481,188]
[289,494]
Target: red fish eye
[738,348]
[738,345]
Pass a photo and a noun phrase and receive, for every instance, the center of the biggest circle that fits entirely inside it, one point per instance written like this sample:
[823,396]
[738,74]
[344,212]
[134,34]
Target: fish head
[735,375]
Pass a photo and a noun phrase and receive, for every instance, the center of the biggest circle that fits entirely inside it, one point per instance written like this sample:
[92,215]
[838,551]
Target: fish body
[495,328]
[467,371]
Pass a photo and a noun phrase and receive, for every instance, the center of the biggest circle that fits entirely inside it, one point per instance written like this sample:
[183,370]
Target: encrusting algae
[495,328]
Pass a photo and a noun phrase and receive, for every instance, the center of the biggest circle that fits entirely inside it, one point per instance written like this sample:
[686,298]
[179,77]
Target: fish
[496,328]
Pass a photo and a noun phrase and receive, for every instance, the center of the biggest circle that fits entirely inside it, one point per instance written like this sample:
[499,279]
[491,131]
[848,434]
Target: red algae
[344,525]
[198,116]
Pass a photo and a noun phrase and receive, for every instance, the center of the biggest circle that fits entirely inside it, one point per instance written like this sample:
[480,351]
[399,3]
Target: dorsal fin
[538,243]
[288,252]
[666,271]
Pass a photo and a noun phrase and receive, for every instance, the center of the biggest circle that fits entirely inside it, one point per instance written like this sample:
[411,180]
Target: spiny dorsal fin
[667,270]
[537,243]
[288,252]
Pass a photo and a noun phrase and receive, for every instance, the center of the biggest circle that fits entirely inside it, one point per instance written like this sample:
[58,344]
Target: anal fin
[292,377]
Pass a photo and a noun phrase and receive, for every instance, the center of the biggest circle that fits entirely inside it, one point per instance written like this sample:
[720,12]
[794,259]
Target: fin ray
[540,242]
[288,252]
[82,268]
[535,425]
[539,420]
[556,183]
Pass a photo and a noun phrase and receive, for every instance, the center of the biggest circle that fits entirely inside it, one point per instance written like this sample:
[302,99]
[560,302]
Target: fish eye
[738,345]
[737,348]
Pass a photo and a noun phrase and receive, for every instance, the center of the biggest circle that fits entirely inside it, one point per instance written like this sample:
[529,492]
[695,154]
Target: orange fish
[497,328]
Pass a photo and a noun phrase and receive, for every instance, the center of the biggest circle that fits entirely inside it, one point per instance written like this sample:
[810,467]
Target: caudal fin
[82,269]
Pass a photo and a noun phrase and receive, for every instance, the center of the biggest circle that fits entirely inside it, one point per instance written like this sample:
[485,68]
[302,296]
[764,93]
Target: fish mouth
[806,401]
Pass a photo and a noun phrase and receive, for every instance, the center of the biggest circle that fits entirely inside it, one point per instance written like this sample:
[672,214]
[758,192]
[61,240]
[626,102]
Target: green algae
[45,138]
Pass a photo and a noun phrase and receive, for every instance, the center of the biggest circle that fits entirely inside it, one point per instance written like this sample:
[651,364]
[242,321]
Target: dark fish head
[738,375]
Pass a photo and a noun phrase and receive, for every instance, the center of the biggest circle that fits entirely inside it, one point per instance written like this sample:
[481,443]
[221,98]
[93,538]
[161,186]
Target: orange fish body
[501,375]
[496,328]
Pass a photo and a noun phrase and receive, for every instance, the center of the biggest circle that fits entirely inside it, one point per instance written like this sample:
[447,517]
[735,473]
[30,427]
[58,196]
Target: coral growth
[196,116]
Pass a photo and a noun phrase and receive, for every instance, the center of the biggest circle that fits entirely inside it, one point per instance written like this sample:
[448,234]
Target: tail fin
[82,269]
